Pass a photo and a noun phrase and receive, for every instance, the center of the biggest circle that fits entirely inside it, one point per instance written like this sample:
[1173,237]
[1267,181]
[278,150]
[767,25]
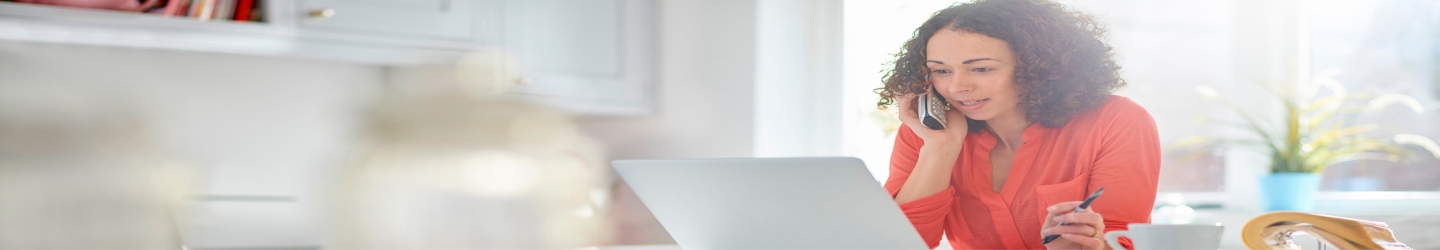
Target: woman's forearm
[931,173]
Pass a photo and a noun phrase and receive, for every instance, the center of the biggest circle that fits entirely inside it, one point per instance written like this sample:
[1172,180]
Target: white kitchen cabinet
[440,19]
[592,57]
[587,56]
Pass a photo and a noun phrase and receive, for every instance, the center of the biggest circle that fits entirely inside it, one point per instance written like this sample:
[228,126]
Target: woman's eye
[982,70]
[940,71]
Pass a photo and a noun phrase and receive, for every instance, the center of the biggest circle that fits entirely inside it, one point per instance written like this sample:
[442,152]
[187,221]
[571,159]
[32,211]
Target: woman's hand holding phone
[952,135]
[933,167]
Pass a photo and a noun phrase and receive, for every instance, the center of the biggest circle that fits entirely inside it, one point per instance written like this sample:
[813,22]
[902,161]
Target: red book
[242,10]
[176,7]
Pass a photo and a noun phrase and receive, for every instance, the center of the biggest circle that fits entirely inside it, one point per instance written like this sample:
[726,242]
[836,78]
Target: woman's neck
[1009,130]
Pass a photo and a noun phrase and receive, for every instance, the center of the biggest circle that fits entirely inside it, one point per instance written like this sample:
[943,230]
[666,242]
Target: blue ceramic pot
[1289,191]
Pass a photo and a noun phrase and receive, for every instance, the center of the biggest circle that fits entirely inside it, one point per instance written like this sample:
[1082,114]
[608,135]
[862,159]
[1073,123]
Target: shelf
[280,36]
[35,13]
[593,57]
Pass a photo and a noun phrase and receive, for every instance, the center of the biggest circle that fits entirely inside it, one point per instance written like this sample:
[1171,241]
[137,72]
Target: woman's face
[975,72]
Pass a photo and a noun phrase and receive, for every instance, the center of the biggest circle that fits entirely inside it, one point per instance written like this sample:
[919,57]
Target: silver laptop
[775,203]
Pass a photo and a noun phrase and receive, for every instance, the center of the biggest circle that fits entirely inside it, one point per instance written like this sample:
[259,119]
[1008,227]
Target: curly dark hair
[1063,66]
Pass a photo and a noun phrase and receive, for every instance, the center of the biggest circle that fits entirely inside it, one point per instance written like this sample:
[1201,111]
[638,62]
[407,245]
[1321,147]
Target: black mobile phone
[932,107]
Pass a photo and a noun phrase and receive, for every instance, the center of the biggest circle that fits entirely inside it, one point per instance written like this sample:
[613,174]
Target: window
[1145,33]
[874,30]
[1168,48]
[1386,46]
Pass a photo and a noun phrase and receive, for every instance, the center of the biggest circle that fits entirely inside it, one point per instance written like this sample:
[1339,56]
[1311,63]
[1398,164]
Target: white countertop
[635,247]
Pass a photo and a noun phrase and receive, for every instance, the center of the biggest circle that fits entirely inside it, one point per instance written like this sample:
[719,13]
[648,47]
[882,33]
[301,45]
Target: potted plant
[1312,133]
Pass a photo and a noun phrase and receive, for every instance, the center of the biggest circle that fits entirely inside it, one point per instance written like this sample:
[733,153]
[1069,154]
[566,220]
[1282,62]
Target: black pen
[1082,207]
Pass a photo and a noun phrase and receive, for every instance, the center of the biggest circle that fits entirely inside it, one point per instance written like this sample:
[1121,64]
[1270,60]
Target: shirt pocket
[1072,190]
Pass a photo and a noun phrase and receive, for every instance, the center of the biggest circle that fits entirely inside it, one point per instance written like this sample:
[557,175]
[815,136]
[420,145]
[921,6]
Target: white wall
[798,88]
[736,79]
[705,87]
[255,127]
[705,100]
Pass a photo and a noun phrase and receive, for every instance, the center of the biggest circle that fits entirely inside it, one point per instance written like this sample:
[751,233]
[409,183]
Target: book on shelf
[204,10]
[174,7]
[242,10]
[224,9]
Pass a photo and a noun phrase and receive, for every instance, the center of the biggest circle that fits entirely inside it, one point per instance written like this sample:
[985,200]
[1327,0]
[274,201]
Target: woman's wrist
[942,145]
[931,173]
[945,150]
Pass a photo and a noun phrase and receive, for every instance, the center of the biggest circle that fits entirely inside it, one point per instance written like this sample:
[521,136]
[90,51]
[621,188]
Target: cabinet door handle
[321,13]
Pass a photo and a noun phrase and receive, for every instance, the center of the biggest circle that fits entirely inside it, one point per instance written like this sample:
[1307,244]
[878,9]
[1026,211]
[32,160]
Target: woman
[1041,130]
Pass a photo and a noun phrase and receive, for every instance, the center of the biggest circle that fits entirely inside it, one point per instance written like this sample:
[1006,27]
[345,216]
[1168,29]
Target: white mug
[1168,236]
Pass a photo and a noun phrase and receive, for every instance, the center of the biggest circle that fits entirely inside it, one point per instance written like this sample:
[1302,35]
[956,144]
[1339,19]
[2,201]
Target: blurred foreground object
[1173,211]
[1275,230]
[121,5]
[451,163]
[76,174]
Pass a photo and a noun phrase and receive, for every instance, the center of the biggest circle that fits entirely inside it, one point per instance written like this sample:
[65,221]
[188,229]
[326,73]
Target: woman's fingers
[955,118]
[1085,240]
[1081,228]
[1084,235]
[906,103]
[1093,219]
[1057,210]
[1078,229]
[1062,208]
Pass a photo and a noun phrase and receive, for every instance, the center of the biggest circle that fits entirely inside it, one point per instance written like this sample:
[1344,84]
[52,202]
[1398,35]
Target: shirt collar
[1032,133]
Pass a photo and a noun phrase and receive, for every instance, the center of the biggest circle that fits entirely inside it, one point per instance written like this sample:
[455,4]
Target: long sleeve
[1116,146]
[1128,166]
[928,213]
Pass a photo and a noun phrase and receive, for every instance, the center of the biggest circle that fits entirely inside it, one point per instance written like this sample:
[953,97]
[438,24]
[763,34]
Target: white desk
[636,247]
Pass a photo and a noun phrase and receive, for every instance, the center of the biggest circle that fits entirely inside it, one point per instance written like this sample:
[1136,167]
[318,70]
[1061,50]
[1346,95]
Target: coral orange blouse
[1115,146]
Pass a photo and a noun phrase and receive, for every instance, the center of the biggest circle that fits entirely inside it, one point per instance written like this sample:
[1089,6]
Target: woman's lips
[972,104]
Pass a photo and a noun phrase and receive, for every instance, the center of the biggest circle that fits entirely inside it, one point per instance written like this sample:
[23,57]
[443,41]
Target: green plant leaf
[1386,100]
[1419,140]
[1328,156]
[1308,139]
[1325,139]
[1253,123]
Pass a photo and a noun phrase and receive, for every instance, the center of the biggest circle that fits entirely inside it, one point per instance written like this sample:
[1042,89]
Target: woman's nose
[959,85]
